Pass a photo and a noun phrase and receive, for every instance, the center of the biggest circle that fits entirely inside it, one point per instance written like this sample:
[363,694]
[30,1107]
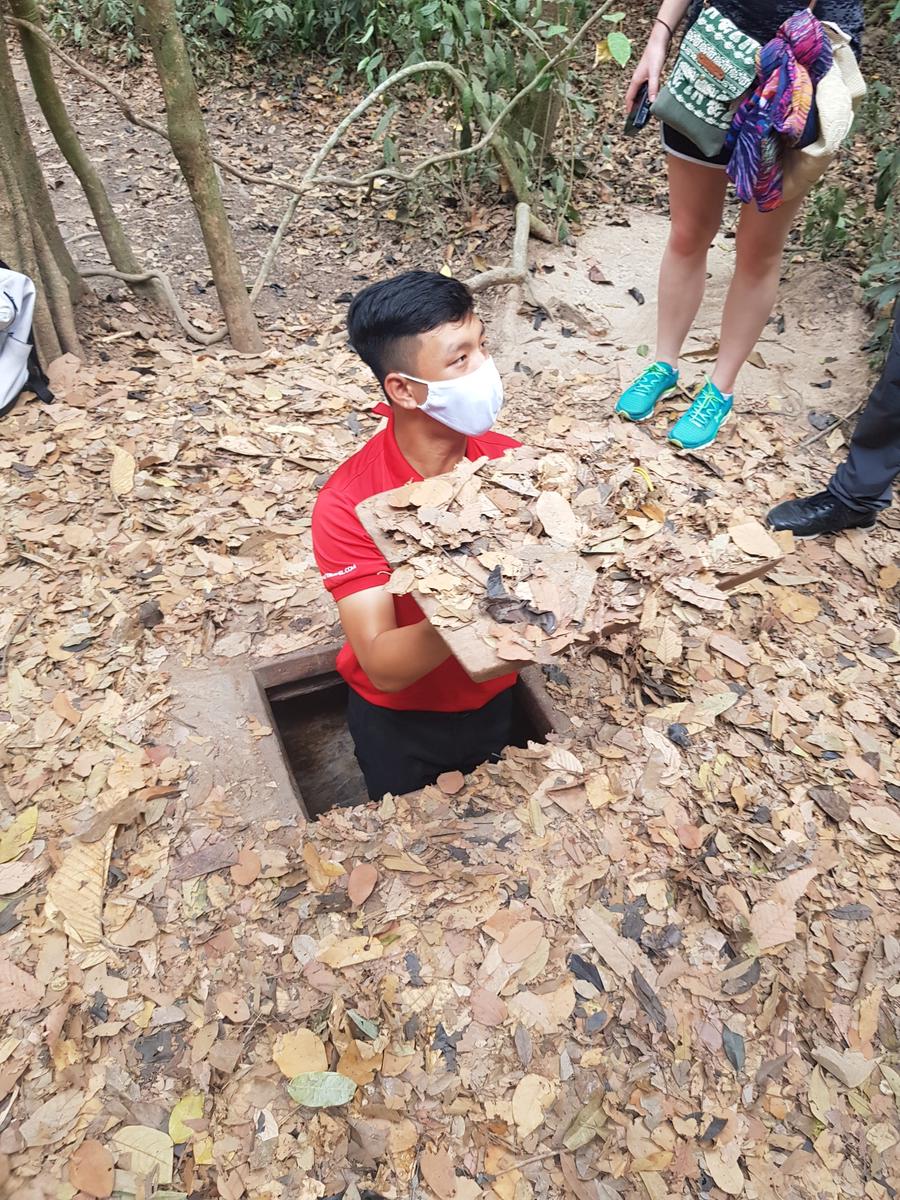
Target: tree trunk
[187,133]
[53,107]
[29,237]
[28,170]
[17,249]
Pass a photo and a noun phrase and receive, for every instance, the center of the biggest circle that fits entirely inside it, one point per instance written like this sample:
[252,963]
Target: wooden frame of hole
[312,672]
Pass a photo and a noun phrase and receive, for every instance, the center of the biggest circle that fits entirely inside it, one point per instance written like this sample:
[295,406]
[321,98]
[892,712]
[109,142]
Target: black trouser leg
[864,480]
[401,752]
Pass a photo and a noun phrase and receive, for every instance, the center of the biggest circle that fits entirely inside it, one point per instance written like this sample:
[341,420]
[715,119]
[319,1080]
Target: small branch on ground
[517,271]
[195,334]
[525,1162]
[13,634]
[815,437]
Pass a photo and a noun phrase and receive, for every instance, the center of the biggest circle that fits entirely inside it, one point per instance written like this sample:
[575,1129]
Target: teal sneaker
[703,420]
[639,400]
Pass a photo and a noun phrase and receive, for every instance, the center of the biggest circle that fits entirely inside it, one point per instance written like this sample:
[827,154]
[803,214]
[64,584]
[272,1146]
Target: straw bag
[838,95]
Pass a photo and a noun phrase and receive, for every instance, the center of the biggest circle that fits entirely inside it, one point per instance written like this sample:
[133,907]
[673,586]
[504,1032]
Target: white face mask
[469,404]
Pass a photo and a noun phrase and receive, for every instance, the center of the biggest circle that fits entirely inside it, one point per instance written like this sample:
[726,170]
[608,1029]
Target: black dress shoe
[809,516]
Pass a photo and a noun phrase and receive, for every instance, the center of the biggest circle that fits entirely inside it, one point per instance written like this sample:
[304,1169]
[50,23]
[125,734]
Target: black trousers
[402,751]
[865,479]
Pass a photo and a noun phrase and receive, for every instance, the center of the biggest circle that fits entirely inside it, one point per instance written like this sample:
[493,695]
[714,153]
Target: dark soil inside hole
[317,745]
[319,749]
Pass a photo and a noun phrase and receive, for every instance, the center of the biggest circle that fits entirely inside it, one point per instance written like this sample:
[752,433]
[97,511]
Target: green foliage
[109,26]
[834,223]
[90,23]
[881,279]
[828,220]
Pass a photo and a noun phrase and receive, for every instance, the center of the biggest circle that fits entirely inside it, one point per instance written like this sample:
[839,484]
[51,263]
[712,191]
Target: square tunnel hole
[307,701]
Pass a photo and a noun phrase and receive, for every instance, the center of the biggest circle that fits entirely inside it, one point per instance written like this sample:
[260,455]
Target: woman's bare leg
[696,201]
[754,286]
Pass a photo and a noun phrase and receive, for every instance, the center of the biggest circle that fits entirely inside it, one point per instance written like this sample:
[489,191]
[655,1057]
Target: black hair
[383,315]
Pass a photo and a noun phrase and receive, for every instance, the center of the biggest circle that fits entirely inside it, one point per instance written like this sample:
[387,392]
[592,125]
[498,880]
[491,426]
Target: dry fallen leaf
[140,927]
[533,1096]
[722,1164]
[121,473]
[16,875]
[753,538]
[819,1096]
[799,607]
[559,521]
[451,782]
[433,493]
[144,1151]
[247,868]
[361,884]
[587,1124]
[18,833]
[487,1008]
[437,1170]
[50,1122]
[546,1012]
[299,1052]
[233,1007]
[322,1089]
[620,954]
[773,924]
[500,1164]
[349,951]
[521,941]
[19,991]
[75,893]
[188,1108]
[849,1066]
[321,872]
[91,1169]
[879,818]
[402,581]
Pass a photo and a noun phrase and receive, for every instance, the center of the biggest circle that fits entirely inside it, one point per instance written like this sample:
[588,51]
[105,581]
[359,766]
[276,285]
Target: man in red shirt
[413,712]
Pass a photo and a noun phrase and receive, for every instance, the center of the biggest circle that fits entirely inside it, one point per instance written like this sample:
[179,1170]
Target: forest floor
[657,958]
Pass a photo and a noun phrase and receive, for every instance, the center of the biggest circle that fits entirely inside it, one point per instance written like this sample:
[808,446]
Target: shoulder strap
[37,381]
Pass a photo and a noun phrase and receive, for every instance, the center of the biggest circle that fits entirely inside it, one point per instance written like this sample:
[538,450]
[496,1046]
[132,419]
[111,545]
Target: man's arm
[392,657]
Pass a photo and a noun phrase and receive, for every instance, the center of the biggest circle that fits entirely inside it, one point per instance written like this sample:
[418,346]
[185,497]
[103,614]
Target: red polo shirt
[350,562]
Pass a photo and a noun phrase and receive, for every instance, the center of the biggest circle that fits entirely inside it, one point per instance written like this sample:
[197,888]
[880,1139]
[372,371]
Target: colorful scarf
[774,116]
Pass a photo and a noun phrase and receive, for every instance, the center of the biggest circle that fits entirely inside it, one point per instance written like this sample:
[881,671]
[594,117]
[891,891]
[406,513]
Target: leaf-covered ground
[659,958]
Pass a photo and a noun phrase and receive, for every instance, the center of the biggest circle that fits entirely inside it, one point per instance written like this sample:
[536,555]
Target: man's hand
[392,657]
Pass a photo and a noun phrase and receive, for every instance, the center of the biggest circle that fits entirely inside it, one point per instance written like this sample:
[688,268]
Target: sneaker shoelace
[703,407]
[651,375]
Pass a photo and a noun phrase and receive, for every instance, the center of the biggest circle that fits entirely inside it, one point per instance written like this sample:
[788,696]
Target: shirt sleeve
[346,556]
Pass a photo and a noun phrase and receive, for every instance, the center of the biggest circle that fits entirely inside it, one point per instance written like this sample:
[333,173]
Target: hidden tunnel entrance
[306,700]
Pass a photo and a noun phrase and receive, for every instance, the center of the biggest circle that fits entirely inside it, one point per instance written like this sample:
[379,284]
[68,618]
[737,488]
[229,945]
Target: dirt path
[816,333]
